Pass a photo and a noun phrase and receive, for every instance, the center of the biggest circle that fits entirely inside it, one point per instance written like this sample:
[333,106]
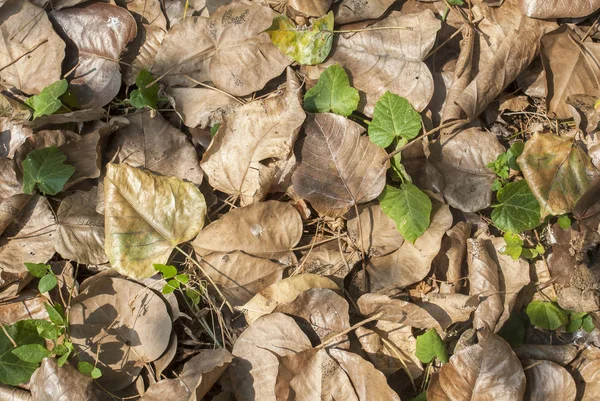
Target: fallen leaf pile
[306,200]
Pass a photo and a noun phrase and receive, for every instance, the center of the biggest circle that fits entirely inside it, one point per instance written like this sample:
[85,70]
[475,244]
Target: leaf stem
[376,28]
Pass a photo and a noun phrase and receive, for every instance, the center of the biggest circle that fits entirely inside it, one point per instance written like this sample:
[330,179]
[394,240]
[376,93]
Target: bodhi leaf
[339,168]
[393,118]
[409,207]
[47,101]
[546,315]
[306,46]
[14,371]
[146,217]
[550,9]
[46,168]
[518,209]
[558,171]
[332,93]
[429,346]
[142,96]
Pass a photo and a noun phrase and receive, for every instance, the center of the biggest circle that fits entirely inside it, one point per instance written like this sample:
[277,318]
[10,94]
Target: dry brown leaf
[141,52]
[77,116]
[127,321]
[146,217]
[548,381]
[380,60]
[338,167]
[283,292]
[305,8]
[175,9]
[80,232]
[327,260]
[230,49]
[460,160]
[10,393]
[484,283]
[587,369]
[397,311]
[447,265]
[560,354]
[30,53]
[571,68]
[558,8]
[378,235]
[360,10]
[147,12]
[254,369]
[97,34]
[202,107]
[448,308]
[12,135]
[265,229]
[259,133]
[28,305]
[51,383]
[478,372]
[153,143]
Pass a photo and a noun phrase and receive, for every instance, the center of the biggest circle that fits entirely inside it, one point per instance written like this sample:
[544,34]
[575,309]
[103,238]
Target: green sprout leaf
[33,353]
[15,371]
[47,283]
[546,315]
[575,322]
[332,93]
[306,46]
[564,222]
[193,295]
[409,207]
[588,324]
[142,96]
[214,129]
[55,313]
[65,357]
[182,278]
[166,270]
[393,117]
[507,161]
[429,346]
[89,370]
[37,270]
[514,245]
[171,286]
[46,168]
[518,209]
[47,101]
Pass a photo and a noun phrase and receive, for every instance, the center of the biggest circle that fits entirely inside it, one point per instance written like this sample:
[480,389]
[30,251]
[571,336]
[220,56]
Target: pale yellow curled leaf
[146,217]
[550,9]
[338,167]
[548,381]
[259,133]
[558,171]
[51,382]
[254,368]
[282,292]
[485,371]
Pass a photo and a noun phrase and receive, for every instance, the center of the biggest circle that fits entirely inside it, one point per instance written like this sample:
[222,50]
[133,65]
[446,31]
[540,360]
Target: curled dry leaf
[447,265]
[399,68]
[124,319]
[559,354]
[9,393]
[153,143]
[489,368]
[141,52]
[254,369]
[265,229]
[51,383]
[230,49]
[558,171]
[398,311]
[587,366]
[338,167]
[258,134]
[146,217]
[548,381]
[558,8]
[202,107]
[283,292]
[13,134]
[97,34]
[484,283]
[460,162]
[30,53]
[448,308]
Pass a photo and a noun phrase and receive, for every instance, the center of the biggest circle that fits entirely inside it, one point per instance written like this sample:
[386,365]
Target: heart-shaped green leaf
[332,93]
[518,209]
[46,168]
[409,207]
[393,118]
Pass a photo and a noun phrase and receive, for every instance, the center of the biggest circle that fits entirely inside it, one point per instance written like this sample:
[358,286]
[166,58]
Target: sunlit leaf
[429,346]
[14,371]
[546,315]
[518,209]
[142,96]
[332,93]
[45,168]
[393,118]
[409,207]
[47,101]
[32,353]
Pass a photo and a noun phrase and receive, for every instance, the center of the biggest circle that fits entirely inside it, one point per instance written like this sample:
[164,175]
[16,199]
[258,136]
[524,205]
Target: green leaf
[518,209]
[564,222]
[513,330]
[332,93]
[37,270]
[46,168]
[214,129]
[500,166]
[143,96]
[89,370]
[33,353]
[171,286]
[513,153]
[393,117]
[55,314]
[46,329]
[575,322]
[306,46]
[47,283]
[409,207]
[63,359]
[546,315]
[14,371]
[497,184]
[588,324]
[514,245]
[429,346]
[182,278]
[456,2]
[47,101]
[421,397]
[193,295]
[399,173]
[166,270]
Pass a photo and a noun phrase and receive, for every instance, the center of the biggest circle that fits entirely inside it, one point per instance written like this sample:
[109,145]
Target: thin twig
[23,55]
[348,330]
[376,28]
[213,88]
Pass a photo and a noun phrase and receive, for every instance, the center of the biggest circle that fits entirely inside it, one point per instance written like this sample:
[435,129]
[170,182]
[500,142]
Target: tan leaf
[80,233]
[50,383]
[12,135]
[142,51]
[548,381]
[484,283]
[230,49]
[571,68]
[153,143]
[327,260]
[30,54]
[489,368]
[558,171]
[448,308]
[258,133]
[338,167]
[97,34]
[309,8]
[461,159]
[447,265]
[265,229]
[203,107]
[378,233]
[397,311]
[28,305]
[146,217]
[10,393]
[399,68]
[360,10]
[560,354]
[254,369]
[148,12]
[587,367]
[559,8]
[124,319]
[283,292]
